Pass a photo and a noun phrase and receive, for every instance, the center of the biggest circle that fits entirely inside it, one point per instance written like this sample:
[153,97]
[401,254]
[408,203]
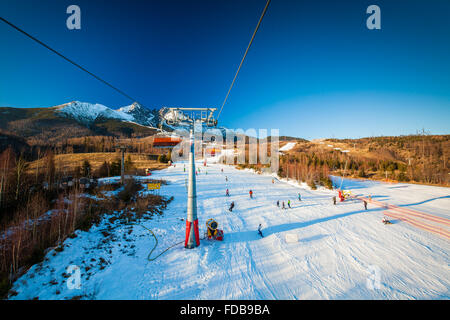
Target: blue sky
[314,69]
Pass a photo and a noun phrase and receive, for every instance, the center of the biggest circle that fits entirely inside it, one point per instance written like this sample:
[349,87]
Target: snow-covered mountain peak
[135,107]
[87,112]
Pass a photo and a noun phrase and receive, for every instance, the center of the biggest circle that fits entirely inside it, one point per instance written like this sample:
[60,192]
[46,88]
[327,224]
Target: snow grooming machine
[212,232]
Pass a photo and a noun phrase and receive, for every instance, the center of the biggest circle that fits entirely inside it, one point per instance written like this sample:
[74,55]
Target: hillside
[68,162]
[414,158]
[18,144]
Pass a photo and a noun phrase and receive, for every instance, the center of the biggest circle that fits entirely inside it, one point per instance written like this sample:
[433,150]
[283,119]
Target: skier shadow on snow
[302,206]
[381,196]
[398,187]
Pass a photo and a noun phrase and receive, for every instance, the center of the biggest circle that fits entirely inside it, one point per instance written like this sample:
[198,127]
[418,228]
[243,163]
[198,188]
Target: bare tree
[21,166]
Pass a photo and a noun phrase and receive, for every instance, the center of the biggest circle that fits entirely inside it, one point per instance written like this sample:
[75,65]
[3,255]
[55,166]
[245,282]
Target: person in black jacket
[259,230]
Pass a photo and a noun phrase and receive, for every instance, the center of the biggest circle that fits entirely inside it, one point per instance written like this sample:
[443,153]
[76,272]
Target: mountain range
[75,119]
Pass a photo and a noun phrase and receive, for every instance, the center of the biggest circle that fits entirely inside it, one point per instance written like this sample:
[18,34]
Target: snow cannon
[213,232]
[341,196]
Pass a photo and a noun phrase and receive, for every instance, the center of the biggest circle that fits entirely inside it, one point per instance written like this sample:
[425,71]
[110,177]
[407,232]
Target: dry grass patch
[68,162]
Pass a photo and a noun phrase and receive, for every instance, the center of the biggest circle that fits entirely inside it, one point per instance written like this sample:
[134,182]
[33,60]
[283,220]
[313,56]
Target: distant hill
[412,158]
[78,119]
[18,144]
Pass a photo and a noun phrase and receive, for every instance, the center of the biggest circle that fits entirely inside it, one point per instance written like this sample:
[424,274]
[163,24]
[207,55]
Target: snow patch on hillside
[288,146]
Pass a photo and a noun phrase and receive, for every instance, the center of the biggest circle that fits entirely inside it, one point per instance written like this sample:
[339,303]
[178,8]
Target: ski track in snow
[336,246]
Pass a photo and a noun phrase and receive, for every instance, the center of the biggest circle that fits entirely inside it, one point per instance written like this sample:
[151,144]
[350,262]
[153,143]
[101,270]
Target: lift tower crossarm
[208,119]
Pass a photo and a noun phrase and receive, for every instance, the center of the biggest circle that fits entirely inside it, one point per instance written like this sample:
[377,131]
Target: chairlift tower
[202,115]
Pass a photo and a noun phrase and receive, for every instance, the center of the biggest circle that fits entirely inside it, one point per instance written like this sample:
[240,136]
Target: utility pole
[342,179]
[345,169]
[122,163]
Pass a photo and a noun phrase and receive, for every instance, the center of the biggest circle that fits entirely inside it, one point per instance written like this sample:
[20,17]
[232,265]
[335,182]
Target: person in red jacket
[251,193]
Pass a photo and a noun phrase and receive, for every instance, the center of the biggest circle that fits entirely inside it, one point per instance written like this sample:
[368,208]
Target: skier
[289,204]
[259,230]
[273,181]
[278,203]
[227,193]
[365,204]
[282,206]
[334,200]
[226,178]
[299,197]
[221,169]
[251,193]
[385,221]
[231,206]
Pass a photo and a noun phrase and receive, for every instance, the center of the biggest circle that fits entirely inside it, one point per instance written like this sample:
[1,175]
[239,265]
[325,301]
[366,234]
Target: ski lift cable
[67,59]
[243,58]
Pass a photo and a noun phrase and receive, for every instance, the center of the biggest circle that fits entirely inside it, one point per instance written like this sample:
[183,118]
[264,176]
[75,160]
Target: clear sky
[314,69]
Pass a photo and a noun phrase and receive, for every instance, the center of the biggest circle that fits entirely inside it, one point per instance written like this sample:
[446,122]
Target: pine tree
[128,163]
[86,168]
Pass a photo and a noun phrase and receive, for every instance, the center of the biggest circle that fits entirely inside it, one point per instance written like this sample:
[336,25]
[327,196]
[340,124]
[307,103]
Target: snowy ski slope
[337,250]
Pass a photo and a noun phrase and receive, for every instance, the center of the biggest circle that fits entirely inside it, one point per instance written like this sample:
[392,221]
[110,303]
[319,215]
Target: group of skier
[283,205]
[364,202]
[288,202]
[227,194]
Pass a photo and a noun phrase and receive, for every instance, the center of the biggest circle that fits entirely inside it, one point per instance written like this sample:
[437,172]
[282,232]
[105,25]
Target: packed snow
[315,250]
